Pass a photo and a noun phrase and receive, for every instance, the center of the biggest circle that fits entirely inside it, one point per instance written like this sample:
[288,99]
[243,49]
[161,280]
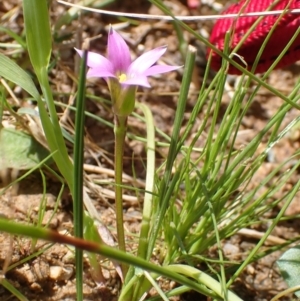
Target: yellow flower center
[122,77]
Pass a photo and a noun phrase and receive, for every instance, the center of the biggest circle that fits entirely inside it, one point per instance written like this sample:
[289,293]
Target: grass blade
[78,174]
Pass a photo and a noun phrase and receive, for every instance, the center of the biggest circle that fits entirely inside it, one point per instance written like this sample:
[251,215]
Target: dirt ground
[51,275]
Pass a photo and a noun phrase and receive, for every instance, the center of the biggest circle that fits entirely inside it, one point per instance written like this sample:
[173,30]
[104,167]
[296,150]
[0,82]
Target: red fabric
[249,50]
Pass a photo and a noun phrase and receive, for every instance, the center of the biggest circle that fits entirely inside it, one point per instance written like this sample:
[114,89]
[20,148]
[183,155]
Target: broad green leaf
[39,45]
[289,266]
[19,150]
[12,72]
[38,33]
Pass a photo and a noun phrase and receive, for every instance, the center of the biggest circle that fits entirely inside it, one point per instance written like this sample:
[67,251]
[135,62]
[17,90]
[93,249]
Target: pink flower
[118,64]
[123,76]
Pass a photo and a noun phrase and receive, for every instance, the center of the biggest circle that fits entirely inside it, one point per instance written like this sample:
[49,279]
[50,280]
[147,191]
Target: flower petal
[138,81]
[146,60]
[99,72]
[97,61]
[118,52]
[158,69]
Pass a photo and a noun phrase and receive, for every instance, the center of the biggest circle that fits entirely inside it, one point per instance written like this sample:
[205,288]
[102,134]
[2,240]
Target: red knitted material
[281,36]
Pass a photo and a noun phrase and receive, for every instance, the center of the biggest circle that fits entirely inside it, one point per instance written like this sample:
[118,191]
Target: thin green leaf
[78,175]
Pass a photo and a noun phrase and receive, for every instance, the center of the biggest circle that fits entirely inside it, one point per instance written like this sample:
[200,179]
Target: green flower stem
[120,132]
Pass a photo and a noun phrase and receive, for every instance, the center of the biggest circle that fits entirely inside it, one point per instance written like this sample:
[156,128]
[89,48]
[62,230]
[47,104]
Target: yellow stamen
[122,77]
